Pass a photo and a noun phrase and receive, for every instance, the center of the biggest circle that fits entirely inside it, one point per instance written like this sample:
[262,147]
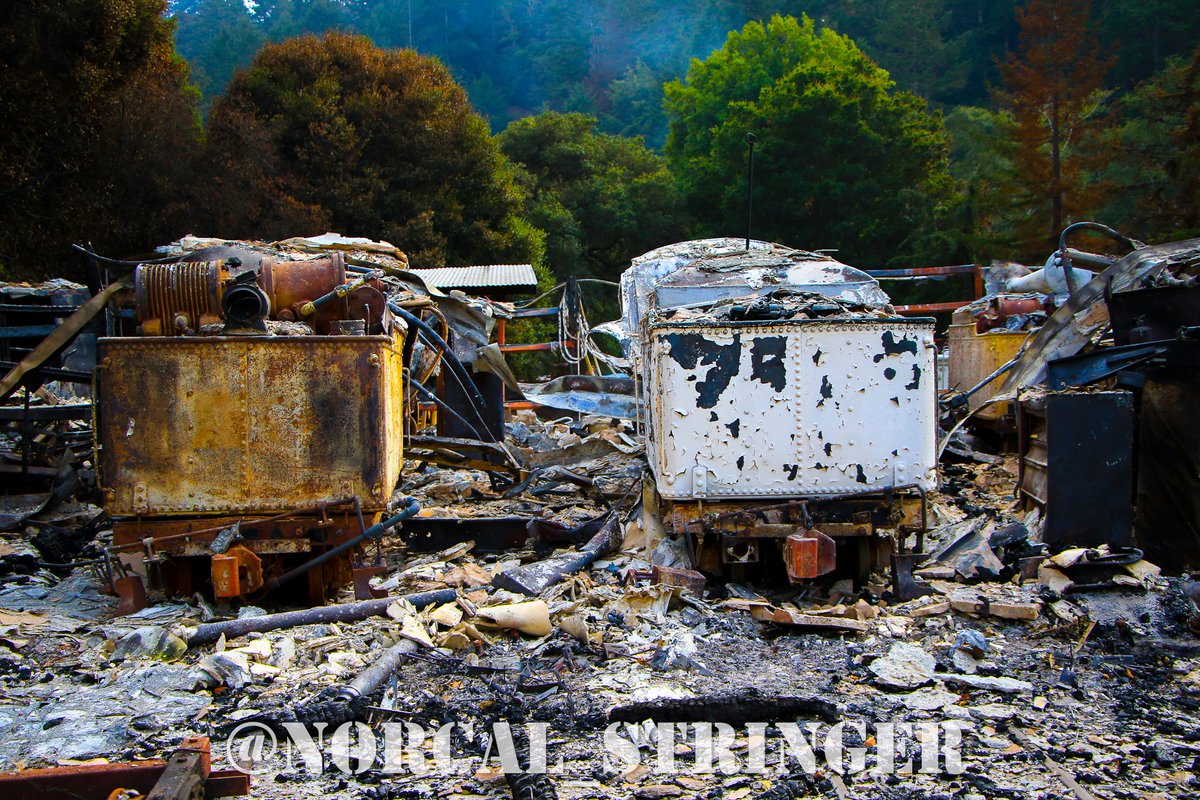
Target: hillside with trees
[579,134]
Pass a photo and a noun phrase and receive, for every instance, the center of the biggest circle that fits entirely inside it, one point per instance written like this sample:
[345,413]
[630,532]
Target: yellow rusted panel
[974,356]
[247,425]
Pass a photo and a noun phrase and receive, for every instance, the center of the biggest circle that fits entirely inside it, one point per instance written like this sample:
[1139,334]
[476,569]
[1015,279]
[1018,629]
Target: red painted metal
[931,308]
[809,555]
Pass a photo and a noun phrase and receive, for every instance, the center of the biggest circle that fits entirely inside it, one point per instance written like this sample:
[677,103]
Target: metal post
[751,140]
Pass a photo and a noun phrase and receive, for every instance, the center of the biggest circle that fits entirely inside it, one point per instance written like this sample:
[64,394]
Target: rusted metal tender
[231,451]
[786,406]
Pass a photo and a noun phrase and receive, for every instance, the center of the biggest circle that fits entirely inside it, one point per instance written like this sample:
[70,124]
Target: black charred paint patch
[861,477]
[692,349]
[817,357]
[829,449]
[741,462]
[826,390]
[735,428]
[889,373]
[767,361]
[916,381]
[891,347]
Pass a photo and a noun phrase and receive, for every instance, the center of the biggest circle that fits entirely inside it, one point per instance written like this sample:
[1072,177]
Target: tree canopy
[1053,89]
[333,132]
[100,129]
[1156,185]
[844,160]
[599,198]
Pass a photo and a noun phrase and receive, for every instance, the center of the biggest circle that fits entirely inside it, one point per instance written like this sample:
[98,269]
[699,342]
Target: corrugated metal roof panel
[514,275]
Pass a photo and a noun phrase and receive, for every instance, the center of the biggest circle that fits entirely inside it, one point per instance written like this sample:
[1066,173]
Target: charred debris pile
[298,483]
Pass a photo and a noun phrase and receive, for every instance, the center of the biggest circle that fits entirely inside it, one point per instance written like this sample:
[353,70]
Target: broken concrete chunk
[257,649]
[797,619]
[906,666]
[412,629]
[996,604]
[986,682]
[993,711]
[576,626]
[1143,569]
[929,699]
[965,662]
[1069,558]
[447,615]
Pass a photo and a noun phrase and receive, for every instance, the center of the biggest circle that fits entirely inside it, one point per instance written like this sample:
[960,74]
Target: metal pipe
[377,674]
[456,366]
[310,308]
[118,263]
[442,404]
[370,533]
[1064,254]
[346,612]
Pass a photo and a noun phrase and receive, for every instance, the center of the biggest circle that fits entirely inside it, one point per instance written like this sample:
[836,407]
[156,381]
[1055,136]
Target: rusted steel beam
[185,774]
[528,348]
[163,780]
[930,308]
[346,612]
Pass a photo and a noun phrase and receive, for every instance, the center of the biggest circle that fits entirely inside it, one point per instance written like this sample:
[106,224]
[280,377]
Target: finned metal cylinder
[173,299]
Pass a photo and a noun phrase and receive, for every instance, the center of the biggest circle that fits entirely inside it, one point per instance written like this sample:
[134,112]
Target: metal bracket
[904,585]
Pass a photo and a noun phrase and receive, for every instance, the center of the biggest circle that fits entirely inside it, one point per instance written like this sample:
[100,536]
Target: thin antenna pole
[751,140]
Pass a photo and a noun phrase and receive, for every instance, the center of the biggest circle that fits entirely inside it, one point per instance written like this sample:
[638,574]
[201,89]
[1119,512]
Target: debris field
[297,499]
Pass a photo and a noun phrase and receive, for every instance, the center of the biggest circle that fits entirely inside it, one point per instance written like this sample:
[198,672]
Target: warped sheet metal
[607,396]
[1085,313]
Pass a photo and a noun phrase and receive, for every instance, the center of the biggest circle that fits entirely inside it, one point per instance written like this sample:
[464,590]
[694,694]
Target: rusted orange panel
[247,425]
[809,555]
[974,356]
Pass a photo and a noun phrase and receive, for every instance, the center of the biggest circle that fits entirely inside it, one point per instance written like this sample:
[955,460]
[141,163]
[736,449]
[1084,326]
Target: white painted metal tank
[838,403]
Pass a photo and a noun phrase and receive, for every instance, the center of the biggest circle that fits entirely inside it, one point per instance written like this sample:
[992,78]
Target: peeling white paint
[831,428]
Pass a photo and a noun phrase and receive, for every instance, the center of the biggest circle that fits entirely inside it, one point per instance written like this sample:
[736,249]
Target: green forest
[578,134]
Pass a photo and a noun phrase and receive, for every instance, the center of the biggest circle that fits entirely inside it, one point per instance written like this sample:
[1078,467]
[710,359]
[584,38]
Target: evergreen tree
[1156,182]
[333,131]
[1053,88]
